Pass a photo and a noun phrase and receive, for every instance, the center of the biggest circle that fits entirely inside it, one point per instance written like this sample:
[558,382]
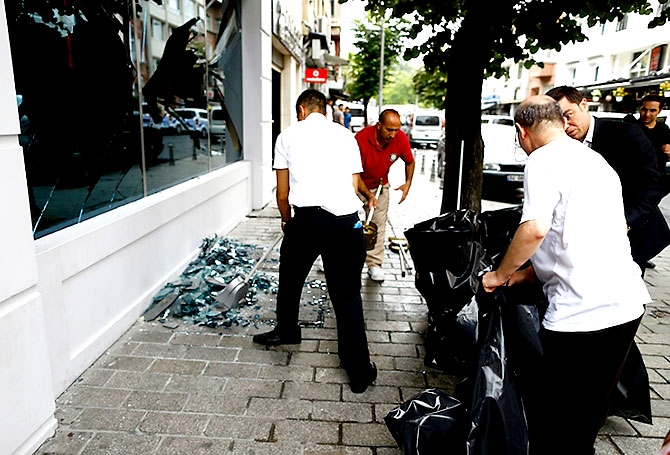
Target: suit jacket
[629,152]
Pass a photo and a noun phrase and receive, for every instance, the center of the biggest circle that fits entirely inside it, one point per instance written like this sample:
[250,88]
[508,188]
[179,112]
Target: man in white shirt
[318,166]
[574,233]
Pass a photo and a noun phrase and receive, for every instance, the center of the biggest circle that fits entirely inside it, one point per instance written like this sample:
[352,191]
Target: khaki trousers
[376,255]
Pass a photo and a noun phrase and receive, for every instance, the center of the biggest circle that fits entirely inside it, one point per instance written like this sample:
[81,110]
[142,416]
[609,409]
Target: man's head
[538,120]
[649,110]
[575,110]
[387,127]
[310,101]
[340,107]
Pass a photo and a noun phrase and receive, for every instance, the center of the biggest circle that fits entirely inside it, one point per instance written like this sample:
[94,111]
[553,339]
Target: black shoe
[360,387]
[649,265]
[275,338]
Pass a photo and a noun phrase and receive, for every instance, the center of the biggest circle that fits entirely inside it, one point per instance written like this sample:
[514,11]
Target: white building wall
[257,114]
[26,395]
[611,50]
[66,297]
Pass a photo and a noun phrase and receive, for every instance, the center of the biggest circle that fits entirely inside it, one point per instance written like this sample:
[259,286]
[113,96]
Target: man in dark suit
[632,156]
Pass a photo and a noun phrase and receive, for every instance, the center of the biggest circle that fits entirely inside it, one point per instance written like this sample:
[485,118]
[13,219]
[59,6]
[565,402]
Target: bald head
[539,120]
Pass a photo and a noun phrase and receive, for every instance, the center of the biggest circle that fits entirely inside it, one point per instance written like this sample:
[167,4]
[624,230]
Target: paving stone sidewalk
[200,390]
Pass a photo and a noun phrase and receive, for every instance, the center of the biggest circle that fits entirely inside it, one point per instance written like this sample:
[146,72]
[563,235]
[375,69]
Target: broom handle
[372,209]
[265,255]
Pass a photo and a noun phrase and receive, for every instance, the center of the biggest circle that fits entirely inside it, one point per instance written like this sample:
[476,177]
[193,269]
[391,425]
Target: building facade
[130,132]
[623,54]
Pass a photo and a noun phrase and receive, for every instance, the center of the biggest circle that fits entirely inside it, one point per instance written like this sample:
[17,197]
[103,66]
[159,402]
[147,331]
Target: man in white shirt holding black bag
[574,233]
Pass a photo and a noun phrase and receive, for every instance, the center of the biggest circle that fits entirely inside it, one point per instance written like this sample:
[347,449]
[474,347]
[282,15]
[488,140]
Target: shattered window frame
[81,127]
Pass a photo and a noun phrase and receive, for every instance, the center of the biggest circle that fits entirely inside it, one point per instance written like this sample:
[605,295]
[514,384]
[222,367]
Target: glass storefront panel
[110,113]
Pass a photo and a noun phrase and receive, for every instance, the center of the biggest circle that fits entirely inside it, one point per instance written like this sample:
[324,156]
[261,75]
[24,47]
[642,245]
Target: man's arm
[647,192]
[282,195]
[527,239]
[362,188]
[409,174]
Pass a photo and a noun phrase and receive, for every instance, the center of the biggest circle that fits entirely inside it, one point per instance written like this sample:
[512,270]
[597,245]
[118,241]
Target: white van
[357,114]
[425,129]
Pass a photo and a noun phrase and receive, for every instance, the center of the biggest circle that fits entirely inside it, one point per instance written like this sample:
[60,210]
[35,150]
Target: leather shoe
[369,378]
[276,337]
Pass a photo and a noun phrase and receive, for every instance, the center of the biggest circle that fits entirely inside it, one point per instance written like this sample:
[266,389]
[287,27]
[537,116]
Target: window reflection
[101,127]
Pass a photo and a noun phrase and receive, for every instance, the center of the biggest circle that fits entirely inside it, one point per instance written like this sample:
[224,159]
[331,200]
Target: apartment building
[623,54]
[129,132]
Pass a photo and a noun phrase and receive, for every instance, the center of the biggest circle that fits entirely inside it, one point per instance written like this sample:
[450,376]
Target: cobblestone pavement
[201,390]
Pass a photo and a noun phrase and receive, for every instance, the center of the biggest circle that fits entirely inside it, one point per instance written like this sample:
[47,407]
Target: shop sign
[316,75]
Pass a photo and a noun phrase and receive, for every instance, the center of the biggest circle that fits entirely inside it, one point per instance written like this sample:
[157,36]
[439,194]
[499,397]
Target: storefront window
[109,114]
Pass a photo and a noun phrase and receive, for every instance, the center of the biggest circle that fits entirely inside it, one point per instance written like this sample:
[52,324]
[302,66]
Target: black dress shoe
[650,265]
[369,378]
[276,337]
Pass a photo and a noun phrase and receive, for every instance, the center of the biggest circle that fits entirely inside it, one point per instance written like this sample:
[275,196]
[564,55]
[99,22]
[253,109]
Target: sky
[349,11]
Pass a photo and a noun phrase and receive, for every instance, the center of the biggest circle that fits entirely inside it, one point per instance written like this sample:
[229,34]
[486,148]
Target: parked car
[217,126]
[195,119]
[425,129]
[503,163]
[502,119]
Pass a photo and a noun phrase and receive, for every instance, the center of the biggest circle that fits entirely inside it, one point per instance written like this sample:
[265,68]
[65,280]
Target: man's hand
[491,280]
[666,150]
[372,202]
[405,189]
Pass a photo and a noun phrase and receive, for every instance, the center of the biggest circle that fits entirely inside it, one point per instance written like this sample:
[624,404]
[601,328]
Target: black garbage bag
[499,425]
[631,398]
[447,256]
[429,423]
[451,342]
[498,228]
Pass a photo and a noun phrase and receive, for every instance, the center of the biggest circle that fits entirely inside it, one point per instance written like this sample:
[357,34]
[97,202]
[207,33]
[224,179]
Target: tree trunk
[465,74]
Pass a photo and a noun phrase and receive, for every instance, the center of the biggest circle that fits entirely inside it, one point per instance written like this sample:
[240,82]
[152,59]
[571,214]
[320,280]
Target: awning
[335,60]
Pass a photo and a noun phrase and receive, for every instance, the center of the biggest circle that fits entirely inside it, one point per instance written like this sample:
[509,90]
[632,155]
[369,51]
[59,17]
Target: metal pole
[381,62]
[460,178]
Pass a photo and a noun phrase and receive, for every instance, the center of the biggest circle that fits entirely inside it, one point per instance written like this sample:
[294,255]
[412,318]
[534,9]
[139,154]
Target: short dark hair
[529,114]
[385,112]
[312,101]
[570,93]
[653,97]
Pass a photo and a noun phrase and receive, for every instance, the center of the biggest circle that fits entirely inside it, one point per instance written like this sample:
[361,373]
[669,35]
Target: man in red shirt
[381,145]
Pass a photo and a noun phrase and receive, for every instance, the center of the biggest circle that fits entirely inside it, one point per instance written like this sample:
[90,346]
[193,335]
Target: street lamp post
[381,63]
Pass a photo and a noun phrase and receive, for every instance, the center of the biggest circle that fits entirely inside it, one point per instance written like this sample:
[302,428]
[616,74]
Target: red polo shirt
[377,161]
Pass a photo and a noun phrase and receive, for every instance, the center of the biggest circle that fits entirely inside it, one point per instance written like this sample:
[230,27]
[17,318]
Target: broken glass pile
[192,297]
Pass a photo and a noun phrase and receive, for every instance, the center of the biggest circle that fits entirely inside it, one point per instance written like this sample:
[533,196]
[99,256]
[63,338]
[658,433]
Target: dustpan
[370,228]
[238,287]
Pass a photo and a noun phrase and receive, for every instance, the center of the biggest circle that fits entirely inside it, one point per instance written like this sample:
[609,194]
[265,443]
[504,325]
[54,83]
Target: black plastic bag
[429,423]
[451,342]
[631,398]
[447,256]
[498,228]
[499,425]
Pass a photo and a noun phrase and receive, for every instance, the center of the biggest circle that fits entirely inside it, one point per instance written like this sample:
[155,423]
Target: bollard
[423,163]
[432,171]
[171,153]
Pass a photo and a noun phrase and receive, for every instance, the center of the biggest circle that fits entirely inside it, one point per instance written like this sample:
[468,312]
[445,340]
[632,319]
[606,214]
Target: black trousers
[339,240]
[569,399]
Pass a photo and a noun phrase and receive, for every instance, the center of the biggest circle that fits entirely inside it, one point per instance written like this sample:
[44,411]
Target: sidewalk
[200,390]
